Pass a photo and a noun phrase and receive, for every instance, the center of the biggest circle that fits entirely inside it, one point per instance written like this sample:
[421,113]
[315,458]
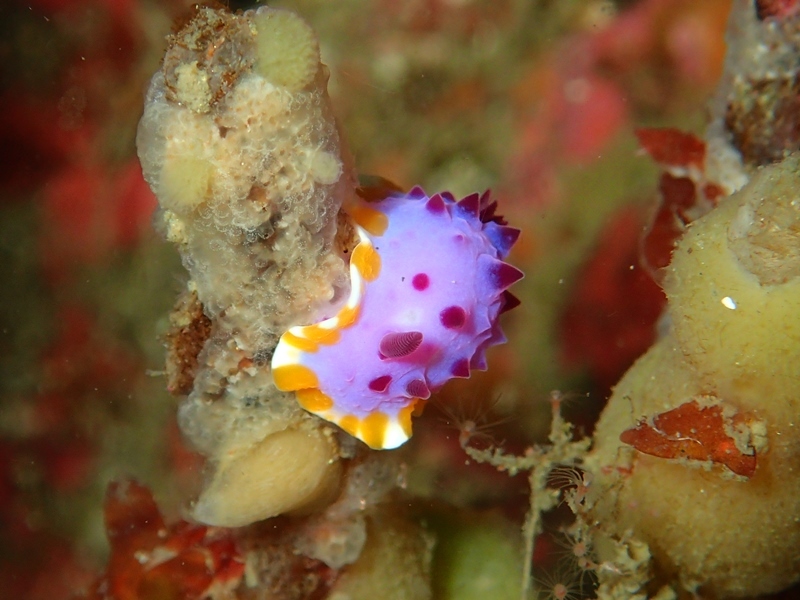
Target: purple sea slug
[427,286]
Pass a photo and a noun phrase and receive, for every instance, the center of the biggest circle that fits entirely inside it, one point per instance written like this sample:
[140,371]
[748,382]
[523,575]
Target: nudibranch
[428,283]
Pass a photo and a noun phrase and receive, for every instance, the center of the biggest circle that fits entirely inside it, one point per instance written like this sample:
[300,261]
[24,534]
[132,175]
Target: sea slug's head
[427,286]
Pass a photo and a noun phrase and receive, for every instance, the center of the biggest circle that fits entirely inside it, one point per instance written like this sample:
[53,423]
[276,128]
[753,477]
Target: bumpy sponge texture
[287,50]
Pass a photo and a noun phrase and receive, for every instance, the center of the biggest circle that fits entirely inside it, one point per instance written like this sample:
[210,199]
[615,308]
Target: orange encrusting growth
[150,558]
[694,432]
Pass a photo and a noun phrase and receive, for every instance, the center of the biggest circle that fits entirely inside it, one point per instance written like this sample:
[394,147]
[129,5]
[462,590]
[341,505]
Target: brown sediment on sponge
[189,330]
[755,113]
[763,117]
[239,143]
[206,57]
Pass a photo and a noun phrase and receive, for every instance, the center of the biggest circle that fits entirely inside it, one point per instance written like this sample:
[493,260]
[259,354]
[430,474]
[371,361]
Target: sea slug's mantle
[427,285]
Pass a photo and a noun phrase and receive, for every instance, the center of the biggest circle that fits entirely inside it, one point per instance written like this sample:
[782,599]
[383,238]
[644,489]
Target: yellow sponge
[287,52]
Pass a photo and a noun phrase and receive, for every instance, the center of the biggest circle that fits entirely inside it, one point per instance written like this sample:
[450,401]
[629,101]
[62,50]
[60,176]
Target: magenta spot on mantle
[453,317]
[420,281]
[379,384]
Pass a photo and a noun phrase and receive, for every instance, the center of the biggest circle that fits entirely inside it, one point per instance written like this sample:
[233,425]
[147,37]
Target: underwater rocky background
[605,135]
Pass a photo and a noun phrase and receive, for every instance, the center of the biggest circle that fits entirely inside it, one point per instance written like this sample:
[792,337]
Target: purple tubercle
[460,368]
[509,301]
[501,274]
[436,205]
[470,205]
[416,193]
[502,237]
